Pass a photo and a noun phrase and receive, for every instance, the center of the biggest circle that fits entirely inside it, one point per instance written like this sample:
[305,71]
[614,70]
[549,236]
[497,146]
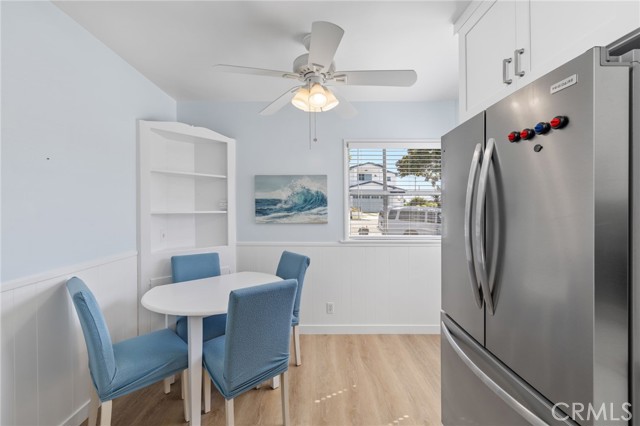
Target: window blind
[394,189]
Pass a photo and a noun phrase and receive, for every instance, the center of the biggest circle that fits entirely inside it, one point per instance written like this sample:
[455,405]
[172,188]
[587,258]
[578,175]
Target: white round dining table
[198,299]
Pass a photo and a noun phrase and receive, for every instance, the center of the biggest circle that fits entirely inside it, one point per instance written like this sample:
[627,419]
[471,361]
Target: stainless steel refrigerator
[537,249]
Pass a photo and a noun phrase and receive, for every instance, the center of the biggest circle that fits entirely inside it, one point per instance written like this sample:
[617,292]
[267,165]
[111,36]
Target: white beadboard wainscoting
[45,375]
[375,287]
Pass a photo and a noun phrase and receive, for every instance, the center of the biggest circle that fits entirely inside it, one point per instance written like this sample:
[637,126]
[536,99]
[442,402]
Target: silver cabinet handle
[505,71]
[479,251]
[517,54]
[467,224]
[504,395]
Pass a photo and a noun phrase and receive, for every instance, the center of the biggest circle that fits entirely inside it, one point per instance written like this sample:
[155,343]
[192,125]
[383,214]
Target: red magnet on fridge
[527,134]
[559,121]
[514,136]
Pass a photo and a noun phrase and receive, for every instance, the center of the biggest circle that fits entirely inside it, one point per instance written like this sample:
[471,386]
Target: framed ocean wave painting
[291,198]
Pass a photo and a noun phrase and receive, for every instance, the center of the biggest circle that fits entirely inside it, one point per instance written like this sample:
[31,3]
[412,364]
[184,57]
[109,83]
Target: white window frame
[380,144]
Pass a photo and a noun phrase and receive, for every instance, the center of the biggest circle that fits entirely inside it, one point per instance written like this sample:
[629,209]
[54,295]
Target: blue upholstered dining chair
[132,364]
[194,267]
[293,265]
[255,346]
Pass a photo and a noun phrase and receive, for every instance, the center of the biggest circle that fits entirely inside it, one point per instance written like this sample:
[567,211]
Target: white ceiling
[175,43]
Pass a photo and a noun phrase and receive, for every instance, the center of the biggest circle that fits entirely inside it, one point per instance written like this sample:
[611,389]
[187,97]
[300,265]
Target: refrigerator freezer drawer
[479,390]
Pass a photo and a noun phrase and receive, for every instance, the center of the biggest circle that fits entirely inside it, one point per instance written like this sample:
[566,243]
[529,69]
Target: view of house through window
[393,189]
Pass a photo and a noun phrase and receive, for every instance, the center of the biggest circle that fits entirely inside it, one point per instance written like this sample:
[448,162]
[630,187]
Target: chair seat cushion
[212,326]
[144,360]
[213,356]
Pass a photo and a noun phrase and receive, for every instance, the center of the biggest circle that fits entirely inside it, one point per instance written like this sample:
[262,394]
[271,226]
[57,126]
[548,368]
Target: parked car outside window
[411,220]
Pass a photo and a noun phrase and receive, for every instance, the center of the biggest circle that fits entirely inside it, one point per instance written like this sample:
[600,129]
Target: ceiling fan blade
[254,71]
[325,38]
[345,109]
[277,105]
[402,78]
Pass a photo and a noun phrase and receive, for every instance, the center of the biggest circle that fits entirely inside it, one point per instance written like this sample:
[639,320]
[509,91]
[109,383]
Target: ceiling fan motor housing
[302,67]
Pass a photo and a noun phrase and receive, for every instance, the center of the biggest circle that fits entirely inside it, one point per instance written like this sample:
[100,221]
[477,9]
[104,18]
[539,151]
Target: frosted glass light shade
[301,99]
[332,101]
[317,96]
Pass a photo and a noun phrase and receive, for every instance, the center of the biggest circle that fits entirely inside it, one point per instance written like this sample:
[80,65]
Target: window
[393,189]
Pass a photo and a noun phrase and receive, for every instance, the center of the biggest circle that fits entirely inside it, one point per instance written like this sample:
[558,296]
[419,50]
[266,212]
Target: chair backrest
[293,265]
[258,330]
[195,266]
[102,364]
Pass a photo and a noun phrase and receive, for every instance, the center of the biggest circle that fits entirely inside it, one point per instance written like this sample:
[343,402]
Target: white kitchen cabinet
[186,200]
[487,44]
[533,37]
[562,30]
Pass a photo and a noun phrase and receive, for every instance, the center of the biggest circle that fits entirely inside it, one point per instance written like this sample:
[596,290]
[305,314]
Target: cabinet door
[485,43]
[562,30]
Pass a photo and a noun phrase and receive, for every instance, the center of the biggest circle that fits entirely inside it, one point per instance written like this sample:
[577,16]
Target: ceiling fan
[316,70]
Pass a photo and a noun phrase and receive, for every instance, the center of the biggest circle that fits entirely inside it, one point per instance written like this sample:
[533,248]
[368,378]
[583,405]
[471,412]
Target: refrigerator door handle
[468,249]
[504,395]
[479,231]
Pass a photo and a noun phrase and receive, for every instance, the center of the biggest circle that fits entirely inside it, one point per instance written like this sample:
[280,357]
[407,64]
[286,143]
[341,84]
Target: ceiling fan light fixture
[317,96]
[304,99]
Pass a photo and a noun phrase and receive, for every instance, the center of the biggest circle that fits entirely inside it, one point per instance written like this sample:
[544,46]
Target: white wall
[69,111]
[376,288]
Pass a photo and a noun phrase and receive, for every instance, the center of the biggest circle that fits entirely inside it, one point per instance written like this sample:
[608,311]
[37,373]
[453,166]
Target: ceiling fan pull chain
[315,127]
[309,113]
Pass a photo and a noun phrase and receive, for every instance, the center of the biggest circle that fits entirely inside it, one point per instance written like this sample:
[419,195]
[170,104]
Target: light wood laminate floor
[344,380]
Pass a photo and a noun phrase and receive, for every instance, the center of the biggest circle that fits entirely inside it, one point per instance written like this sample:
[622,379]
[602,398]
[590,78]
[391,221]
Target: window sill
[393,242]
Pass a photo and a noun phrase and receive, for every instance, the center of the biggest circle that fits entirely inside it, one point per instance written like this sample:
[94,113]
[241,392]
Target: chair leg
[94,405]
[105,413]
[206,386]
[183,383]
[275,382]
[285,398]
[185,395]
[171,379]
[296,344]
[228,411]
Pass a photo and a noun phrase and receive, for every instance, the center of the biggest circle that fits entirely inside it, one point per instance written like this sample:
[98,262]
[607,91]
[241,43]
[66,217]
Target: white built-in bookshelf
[186,199]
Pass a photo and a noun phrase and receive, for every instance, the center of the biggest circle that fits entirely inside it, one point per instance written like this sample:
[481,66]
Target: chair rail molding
[65,271]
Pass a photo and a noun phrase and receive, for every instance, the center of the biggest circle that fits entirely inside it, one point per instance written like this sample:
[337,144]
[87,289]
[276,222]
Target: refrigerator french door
[535,248]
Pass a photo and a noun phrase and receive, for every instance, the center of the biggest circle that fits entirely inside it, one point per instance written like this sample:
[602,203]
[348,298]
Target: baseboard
[79,416]
[370,329]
